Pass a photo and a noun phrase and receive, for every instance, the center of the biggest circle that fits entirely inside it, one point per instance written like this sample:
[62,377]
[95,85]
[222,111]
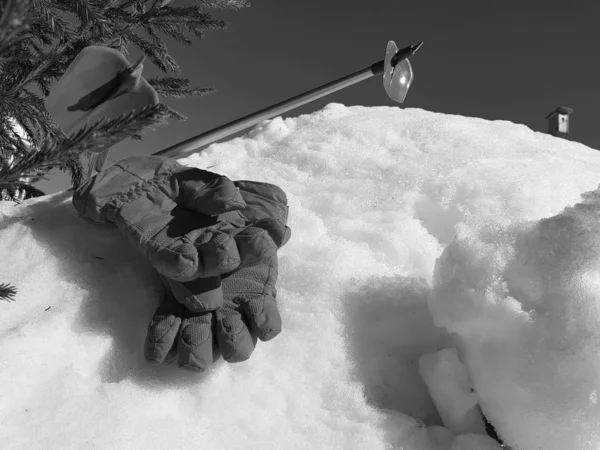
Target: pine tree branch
[47,11]
[183,15]
[39,67]
[155,52]
[19,193]
[157,4]
[175,22]
[101,134]
[223,4]
[7,292]
[44,86]
[176,87]
[107,4]
[12,22]
[46,60]
[37,44]
[73,167]
[86,11]
[172,114]
[171,31]
[41,31]
[13,145]
[30,112]
[131,4]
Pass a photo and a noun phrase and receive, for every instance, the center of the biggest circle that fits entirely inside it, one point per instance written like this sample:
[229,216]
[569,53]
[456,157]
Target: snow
[402,219]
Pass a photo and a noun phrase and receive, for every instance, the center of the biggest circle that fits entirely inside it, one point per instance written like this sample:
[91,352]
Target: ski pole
[397,77]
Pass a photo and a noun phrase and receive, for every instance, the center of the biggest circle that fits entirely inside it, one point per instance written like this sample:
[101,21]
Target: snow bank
[375,195]
[525,304]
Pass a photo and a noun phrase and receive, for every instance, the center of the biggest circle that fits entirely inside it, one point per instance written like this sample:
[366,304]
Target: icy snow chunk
[450,388]
[524,304]
[474,442]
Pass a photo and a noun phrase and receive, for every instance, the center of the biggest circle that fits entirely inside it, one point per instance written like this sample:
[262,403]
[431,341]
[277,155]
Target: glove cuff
[103,206]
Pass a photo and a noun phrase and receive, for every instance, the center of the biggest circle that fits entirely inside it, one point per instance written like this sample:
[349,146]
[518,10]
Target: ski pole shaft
[189,145]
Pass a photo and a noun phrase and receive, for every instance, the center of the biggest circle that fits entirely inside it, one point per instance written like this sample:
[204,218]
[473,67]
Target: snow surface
[394,212]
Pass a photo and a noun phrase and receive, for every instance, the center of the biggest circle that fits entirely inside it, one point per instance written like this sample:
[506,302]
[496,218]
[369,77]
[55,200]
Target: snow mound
[525,303]
[376,195]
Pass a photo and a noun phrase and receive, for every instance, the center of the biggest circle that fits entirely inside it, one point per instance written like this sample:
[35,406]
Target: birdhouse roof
[560,110]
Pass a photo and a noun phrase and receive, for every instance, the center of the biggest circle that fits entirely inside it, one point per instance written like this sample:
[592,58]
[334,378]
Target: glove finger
[162,331]
[184,253]
[207,192]
[236,343]
[266,201]
[195,345]
[263,316]
[255,246]
[263,200]
[277,230]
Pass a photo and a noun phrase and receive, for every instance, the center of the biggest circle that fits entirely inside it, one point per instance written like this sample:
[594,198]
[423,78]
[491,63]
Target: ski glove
[196,338]
[200,320]
[187,222]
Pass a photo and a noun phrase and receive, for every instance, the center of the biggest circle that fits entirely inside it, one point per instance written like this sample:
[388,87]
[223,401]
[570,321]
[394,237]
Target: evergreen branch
[104,133]
[59,27]
[157,4]
[43,86]
[6,155]
[174,22]
[129,3]
[27,51]
[27,108]
[85,10]
[7,292]
[173,30]
[141,7]
[185,15]
[29,132]
[32,191]
[101,134]
[120,15]
[172,114]
[224,4]
[38,43]
[42,31]
[107,4]
[155,52]
[20,192]
[170,30]
[73,167]
[40,66]
[12,142]
[176,87]
[58,53]
[12,22]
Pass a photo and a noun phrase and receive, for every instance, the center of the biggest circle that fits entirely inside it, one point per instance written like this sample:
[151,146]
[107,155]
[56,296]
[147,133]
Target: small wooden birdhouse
[558,121]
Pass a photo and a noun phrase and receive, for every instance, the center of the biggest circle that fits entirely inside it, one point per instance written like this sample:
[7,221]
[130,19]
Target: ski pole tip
[405,53]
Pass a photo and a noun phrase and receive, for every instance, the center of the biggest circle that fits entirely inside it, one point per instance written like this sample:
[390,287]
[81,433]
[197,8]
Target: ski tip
[133,67]
[417,47]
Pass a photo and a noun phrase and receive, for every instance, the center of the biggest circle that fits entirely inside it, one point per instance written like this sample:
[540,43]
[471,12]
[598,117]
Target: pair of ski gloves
[214,243]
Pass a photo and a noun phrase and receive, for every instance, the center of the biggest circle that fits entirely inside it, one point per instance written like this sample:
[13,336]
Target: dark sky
[506,60]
